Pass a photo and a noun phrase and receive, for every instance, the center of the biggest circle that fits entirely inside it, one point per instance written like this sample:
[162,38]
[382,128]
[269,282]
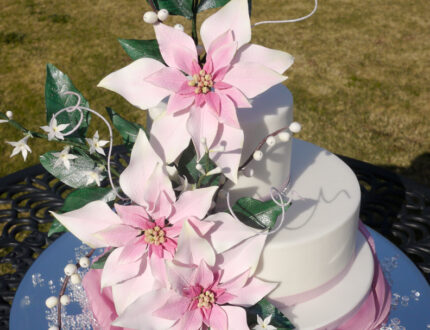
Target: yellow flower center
[155,236]
[202,82]
[206,299]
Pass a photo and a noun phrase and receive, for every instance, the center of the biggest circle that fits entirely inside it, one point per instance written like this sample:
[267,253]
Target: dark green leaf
[100,263]
[141,48]
[175,7]
[257,214]
[127,129]
[187,166]
[57,83]
[264,309]
[74,177]
[81,197]
[56,227]
[208,4]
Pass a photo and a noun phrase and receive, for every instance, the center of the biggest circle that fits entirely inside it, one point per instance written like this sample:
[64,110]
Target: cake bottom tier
[359,300]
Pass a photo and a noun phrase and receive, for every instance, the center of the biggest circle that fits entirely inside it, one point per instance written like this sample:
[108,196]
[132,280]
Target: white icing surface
[317,240]
[271,111]
[330,309]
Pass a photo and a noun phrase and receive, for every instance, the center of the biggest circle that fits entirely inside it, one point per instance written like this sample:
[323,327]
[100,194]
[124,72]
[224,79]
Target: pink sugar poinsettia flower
[145,233]
[206,288]
[205,97]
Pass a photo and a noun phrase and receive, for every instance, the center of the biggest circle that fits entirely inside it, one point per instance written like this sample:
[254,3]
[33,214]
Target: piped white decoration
[51,302]
[271,141]
[258,155]
[70,269]
[179,27]
[284,136]
[65,300]
[150,17]
[53,328]
[216,170]
[84,262]
[295,127]
[9,114]
[163,14]
[75,279]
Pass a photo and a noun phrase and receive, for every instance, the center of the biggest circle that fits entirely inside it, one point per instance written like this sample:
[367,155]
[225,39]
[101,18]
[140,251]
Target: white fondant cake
[270,111]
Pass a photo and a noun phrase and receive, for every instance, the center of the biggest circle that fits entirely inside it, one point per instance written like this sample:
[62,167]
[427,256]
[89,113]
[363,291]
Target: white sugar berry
[84,262]
[295,127]
[51,302]
[248,172]
[150,17]
[163,14]
[179,27]
[70,269]
[199,167]
[258,155]
[284,136]
[75,279]
[65,300]
[9,114]
[271,141]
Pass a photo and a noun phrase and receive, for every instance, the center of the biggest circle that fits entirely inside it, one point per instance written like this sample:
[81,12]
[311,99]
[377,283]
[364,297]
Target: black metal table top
[396,207]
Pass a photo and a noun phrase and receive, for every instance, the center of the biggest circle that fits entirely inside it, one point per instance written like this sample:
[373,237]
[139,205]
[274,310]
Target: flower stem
[194,23]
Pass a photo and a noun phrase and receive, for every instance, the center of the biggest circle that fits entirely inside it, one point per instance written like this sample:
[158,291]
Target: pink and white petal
[191,320]
[143,160]
[139,315]
[174,308]
[178,276]
[203,276]
[192,248]
[133,251]
[230,140]
[117,235]
[158,189]
[90,219]
[236,318]
[233,16]
[218,319]
[227,231]
[127,292]
[236,283]
[133,215]
[129,82]
[178,102]
[252,292]
[228,115]
[214,102]
[202,125]
[241,257]
[174,230]
[201,227]
[239,100]
[176,47]
[168,78]
[169,135]
[276,60]
[158,270]
[223,39]
[222,56]
[193,203]
[115,271]
[252,79]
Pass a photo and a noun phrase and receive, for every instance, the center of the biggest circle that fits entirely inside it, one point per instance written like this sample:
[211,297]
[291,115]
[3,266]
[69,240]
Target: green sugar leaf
[265,309]
[141,48]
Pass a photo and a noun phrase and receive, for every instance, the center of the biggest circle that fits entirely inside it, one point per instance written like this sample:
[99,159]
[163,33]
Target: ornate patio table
[396,207]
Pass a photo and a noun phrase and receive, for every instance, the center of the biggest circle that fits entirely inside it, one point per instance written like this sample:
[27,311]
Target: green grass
[360,81]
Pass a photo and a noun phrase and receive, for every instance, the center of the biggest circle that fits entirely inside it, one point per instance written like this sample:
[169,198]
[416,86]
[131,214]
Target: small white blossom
[54,130]
[264,325]
[94,176]
[64,157]
[96,145]
[20,146]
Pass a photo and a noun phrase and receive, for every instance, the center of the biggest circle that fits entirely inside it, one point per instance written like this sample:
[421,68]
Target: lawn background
[360,80]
